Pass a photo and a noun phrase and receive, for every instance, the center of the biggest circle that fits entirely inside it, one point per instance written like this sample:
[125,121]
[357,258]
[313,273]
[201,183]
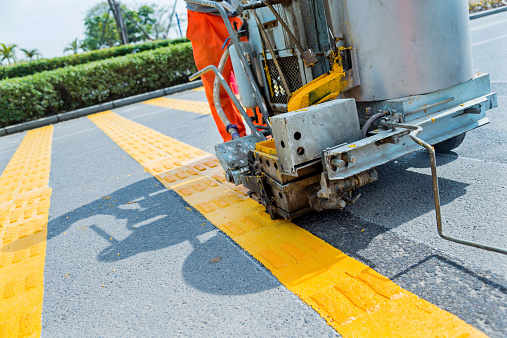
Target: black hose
[370,121]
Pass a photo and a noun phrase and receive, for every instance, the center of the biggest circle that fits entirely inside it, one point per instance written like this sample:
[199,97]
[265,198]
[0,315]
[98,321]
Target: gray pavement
[118,269]
[115,268]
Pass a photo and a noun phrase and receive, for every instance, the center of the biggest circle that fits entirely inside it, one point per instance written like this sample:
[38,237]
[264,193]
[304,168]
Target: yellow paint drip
[185,105]
[354,299]
[24,210]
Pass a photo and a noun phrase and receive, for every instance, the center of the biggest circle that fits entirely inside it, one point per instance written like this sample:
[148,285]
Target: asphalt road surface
[127,257]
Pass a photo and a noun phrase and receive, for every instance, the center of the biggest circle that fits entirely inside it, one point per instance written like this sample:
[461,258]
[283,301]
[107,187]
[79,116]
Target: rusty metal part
[337,194]
[291,196]
[282,195]
[321,204]
[413,135]
[330,188]
[309,58]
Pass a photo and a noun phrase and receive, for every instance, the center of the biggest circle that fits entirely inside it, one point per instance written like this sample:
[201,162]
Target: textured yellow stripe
[354,299]
[185,105]
[24,210]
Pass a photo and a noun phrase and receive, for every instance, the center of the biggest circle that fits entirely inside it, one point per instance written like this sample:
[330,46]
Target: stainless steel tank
[405,47]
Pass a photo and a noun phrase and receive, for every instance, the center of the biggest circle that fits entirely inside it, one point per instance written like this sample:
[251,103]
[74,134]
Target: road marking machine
[344,86]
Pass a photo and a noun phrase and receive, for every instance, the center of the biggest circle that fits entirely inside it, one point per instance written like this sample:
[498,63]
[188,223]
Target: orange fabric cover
[207,33]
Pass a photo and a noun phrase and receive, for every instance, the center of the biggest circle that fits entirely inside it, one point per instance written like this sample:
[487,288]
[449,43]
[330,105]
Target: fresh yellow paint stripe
[185,105]
[354,299]
[24,210]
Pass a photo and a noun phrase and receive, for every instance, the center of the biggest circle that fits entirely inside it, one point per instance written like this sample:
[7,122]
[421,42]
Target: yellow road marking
[185,105]
[200,89]
[24,210]
[354,299]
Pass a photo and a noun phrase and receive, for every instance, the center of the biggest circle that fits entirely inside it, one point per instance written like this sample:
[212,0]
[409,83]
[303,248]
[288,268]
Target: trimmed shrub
[64,89]
[32,67]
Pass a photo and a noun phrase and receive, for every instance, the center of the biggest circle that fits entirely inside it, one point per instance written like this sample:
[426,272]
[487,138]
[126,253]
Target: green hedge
[32,67]
[64,89]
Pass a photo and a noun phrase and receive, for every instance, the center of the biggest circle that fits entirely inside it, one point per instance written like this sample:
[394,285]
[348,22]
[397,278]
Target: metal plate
[232,155]
[302,135]
[439,126]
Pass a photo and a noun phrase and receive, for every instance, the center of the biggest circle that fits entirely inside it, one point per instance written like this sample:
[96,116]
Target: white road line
[487,25]
[489,40]
[473,159]
[72,134]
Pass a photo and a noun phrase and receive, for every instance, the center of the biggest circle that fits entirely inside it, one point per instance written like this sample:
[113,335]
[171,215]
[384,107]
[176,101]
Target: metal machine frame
[290,179]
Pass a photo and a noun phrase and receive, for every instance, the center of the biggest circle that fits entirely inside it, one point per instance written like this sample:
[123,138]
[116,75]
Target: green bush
[32,67]
[64,89]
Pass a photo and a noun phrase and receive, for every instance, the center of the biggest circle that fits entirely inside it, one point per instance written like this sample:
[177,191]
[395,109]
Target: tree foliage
[7,52]
[74,46]
[37,66]
[101,30]
[31,53]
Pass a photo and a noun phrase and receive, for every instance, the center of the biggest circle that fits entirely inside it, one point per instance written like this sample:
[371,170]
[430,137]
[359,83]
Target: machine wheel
[449,144]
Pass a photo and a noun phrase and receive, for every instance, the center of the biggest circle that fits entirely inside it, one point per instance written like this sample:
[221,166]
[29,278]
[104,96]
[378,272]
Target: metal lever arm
[413,135]
[233,97]
[230,128]
[309,57]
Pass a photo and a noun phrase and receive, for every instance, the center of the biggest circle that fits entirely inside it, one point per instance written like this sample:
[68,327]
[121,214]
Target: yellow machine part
[325,87]
[267,146]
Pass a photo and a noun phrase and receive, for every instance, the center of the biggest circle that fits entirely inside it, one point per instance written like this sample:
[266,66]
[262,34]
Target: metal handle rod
[242,59]
[433,105]
[216,97]
[413,135]
[266,40]
[233,97]
[329,24]
[259,4]
[284,25]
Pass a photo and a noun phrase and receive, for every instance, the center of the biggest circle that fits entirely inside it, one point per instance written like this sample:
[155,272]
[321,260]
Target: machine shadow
[399,196]
[158,218]
[402,193]
[421,159]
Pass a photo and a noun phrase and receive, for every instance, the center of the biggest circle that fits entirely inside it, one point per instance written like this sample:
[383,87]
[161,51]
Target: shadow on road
[150,218]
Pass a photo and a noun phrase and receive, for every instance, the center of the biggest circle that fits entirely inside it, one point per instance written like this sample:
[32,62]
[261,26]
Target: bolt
[348,158]
[338,163]
[341,204]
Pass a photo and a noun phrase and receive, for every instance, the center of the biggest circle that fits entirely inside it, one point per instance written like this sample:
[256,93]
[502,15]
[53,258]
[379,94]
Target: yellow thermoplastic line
[354,299]
[24,210]
[185,105]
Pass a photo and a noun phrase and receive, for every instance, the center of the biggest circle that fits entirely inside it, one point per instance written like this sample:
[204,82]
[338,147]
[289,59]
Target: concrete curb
[488,12]
[97,108]
[31,124]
